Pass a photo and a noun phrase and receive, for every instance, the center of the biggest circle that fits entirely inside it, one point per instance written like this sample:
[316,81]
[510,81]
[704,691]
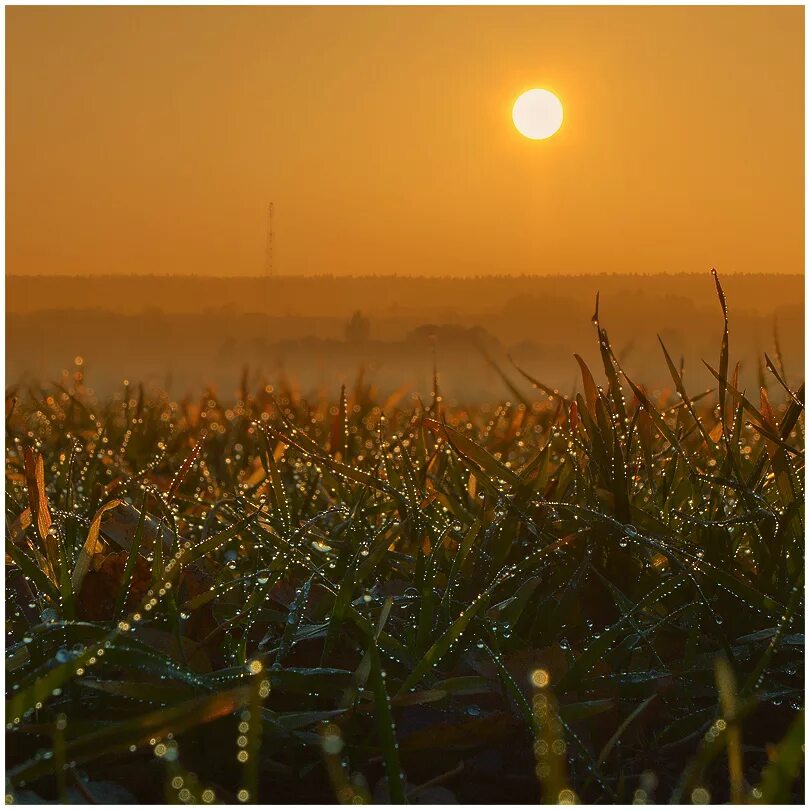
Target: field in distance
[183,333]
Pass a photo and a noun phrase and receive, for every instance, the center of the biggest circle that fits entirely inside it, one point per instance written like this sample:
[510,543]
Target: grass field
[556,599]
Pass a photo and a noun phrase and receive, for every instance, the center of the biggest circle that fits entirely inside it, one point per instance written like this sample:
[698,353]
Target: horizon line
[388,276]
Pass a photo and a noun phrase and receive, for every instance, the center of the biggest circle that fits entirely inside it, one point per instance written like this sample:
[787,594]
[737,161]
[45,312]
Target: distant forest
[188,332]
[334,295]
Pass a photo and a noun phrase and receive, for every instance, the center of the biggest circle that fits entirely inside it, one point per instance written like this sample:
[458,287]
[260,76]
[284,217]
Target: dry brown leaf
[20,526]
[92,546]
[102,584]
[767,411]
[119,525]
[37,500]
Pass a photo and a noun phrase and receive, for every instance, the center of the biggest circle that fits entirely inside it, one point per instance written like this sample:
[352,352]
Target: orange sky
[151,140]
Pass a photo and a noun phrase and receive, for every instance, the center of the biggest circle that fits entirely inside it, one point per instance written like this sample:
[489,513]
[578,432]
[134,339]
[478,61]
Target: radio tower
[268,255]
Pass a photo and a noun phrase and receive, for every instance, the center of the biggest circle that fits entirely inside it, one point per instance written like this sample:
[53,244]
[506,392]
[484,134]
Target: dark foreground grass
[557,599]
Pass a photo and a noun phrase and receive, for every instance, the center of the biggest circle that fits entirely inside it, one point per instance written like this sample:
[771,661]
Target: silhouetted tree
[358,328]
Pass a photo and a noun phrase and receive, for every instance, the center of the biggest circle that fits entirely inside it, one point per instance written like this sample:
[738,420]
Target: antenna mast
[268,254]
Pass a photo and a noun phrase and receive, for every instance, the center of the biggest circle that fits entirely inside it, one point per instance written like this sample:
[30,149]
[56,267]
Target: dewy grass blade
[440,648]
[153,726]
[386,729]
[132,557]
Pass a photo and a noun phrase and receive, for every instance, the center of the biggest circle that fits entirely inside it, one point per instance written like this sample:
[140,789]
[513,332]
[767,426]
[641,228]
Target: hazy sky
[151,140]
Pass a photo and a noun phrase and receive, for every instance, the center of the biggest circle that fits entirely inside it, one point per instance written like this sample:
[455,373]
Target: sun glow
[537,114]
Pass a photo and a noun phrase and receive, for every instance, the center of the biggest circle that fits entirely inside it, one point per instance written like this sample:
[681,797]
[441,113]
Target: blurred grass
[595,597]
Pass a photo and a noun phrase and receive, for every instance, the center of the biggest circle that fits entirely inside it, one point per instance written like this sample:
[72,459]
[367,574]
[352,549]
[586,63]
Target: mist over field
[184,333]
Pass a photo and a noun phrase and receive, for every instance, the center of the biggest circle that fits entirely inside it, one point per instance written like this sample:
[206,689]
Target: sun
[537,114]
